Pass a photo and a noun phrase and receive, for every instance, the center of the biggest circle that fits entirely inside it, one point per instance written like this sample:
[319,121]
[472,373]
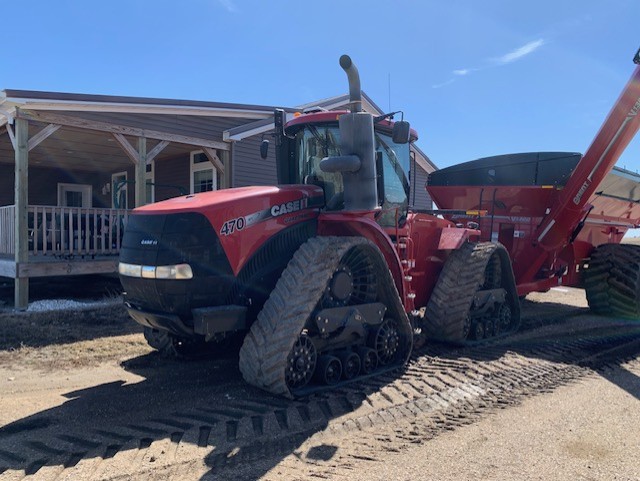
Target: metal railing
[62,231]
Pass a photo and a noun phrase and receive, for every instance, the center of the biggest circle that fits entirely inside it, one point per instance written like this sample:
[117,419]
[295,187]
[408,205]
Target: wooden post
[141,173]
[21,200]
[226,162]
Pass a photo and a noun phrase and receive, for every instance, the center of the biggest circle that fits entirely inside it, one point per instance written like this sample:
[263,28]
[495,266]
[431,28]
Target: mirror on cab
[401,132]
[264,148]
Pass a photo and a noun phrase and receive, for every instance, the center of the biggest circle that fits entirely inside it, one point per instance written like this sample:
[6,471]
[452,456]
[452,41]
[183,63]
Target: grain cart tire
[612,280]
[323,276]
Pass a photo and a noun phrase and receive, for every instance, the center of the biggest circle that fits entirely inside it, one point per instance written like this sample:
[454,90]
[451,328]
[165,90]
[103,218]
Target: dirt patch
[69,338]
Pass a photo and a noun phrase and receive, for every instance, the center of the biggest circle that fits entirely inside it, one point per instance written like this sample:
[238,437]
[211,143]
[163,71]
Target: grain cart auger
[561,215]
[326,275]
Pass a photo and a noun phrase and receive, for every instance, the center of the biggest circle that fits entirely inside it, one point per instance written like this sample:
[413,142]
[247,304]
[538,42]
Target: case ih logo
[148,242]
[239,223]
[288,207]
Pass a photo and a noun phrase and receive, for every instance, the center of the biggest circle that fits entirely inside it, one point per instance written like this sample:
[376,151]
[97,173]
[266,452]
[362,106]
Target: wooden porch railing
[66,230]
[7,229]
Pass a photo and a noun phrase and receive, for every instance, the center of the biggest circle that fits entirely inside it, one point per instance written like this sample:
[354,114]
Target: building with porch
[72,166]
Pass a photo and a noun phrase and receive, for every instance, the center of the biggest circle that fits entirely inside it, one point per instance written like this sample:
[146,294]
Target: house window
[74,195]
[119,190]
[149,178]
[204,177]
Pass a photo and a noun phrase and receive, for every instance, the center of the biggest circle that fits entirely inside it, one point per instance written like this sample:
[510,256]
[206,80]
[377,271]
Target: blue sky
[475,78]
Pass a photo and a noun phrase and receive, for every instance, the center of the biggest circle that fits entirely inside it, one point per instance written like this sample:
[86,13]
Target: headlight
[130,270]
[179,271]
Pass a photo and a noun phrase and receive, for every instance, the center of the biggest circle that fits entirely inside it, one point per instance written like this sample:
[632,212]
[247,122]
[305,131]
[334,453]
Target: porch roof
[38,100]
[88,126]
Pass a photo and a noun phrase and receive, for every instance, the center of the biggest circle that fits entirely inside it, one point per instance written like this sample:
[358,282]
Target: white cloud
[520,52]
[494,62]
[228,5]
[443,84]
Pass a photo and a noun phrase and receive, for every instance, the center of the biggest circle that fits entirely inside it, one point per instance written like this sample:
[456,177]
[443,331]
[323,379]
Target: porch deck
[63,241]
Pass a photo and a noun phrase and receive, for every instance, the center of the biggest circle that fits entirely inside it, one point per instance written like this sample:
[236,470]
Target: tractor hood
[244,218]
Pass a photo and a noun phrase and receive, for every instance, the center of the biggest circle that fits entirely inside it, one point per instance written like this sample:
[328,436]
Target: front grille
[169,239]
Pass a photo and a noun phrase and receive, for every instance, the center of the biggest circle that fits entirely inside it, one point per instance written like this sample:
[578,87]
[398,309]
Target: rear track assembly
[475,296]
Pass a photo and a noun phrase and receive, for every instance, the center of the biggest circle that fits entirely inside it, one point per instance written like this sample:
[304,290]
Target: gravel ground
[589,430]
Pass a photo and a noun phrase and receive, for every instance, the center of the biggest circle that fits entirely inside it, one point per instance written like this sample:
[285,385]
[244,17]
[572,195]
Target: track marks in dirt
[440,390]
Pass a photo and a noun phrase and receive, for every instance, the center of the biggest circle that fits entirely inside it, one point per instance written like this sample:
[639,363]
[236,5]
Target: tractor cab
[309,138]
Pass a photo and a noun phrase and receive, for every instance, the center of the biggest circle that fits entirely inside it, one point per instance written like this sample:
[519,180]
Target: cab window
[395,165]
[313,143]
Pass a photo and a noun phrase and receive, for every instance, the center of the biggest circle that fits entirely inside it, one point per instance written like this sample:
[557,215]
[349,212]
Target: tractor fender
[452,238]
[357,224]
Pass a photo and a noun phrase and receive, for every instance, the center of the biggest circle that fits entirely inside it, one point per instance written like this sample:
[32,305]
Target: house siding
[248,168]
[43,185]
[420,198]
[209,128]
[170,172]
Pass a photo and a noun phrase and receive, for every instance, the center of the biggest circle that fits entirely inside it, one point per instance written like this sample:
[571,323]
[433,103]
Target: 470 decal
[232,225]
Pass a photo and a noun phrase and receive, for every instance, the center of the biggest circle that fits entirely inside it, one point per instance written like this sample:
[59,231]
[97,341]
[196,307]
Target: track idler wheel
[387,341]
[350,364]
[329,370]
[368,359]
[478,331]
[301,363]
[504,320]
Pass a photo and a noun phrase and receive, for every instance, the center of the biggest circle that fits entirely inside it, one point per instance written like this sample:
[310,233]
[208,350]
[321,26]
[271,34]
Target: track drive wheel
[325,273]
[612,280]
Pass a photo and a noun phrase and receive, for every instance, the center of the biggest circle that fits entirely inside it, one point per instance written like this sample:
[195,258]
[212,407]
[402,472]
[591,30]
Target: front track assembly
[334,316]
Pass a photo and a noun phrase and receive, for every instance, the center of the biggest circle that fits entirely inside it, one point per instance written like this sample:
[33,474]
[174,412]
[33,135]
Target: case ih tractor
[327,276]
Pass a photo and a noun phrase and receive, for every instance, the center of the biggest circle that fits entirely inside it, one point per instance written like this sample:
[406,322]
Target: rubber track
[612,280]
[462,275]
[263,355]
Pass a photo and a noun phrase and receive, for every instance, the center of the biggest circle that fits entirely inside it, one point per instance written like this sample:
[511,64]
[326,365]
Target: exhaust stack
[355,93]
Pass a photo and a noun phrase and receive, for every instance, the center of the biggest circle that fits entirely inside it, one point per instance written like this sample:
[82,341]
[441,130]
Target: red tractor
[327,276]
